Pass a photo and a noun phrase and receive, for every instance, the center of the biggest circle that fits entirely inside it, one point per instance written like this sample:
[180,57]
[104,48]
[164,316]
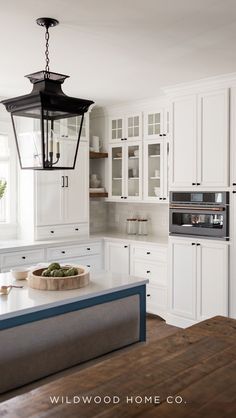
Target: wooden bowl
[36,281]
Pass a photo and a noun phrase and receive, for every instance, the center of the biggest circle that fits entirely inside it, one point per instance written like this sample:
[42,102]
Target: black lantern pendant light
[47,124]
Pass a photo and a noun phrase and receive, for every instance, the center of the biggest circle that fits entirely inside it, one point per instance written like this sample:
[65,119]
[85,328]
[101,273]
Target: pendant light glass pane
[28,135]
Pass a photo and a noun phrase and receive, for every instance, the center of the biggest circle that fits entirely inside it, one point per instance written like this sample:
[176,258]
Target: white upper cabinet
[200,140]
[156,124]
[233,136]
[184,142]
[128,127]
[49,208]
[125,171]
[155,165]
[213,139]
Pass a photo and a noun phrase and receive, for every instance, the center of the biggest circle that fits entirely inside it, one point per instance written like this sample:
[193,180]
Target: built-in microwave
[205,214]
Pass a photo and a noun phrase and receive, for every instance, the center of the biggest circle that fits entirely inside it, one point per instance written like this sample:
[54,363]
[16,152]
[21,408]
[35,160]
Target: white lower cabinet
[117,257]
[198,280]
[150,262]
[89,254]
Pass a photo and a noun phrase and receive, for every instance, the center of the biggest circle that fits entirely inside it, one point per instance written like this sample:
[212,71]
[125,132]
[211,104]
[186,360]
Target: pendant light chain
[47,71]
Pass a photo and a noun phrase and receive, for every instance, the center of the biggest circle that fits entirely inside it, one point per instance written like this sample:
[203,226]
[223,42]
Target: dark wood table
[191,373]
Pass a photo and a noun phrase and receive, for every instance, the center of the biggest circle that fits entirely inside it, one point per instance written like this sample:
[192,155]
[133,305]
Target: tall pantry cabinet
[55,204]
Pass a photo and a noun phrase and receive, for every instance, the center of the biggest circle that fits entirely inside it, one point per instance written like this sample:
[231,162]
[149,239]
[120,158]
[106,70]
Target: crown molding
[223,80]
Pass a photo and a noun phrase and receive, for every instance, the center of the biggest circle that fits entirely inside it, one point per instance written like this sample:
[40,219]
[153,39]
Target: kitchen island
[43,332]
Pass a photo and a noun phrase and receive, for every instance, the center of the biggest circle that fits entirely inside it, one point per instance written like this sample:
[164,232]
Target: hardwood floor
[156,330]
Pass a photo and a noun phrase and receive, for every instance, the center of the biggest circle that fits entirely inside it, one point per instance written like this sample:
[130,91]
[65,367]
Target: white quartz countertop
[17,244]
[27,300]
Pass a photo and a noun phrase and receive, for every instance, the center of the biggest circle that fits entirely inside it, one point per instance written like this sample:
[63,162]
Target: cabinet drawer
[155,272]
[26,257]
[94,262]
[60,231]
[59,253]
[150,253]
[156,299]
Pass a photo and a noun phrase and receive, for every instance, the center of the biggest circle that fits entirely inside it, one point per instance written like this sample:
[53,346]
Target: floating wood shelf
[95,155]
[94,194]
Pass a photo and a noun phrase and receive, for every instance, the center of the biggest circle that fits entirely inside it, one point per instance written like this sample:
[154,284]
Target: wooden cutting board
[36,281]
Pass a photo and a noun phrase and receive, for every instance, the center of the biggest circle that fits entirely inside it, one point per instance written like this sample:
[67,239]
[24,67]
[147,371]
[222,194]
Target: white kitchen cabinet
[150,262]
[117,257]
[89,254]
[156,123]
[198,280]
[128,127]
[125,171]
[155,170]
[26,257]
[62,196]
[232,255]
[200,140]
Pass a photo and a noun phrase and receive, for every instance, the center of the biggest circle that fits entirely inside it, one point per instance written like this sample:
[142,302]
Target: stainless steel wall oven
[205,214]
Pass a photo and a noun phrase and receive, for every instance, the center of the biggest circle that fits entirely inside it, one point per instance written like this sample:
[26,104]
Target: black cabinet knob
[160,198]
[193,243]
[52,232]
[88,249]
[88,265]
[125,246]
[23,257]
[198,184]
[148,295]
[148,271]
[198,244]
[193,184]
[164,198]
[164,134]
[160,135]
[148,252]
[234,191]
[63,252]
[233,184]
[76,229]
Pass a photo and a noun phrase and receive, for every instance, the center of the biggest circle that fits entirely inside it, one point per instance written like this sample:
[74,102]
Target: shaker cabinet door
[213,139]
[184,142]
[49,197]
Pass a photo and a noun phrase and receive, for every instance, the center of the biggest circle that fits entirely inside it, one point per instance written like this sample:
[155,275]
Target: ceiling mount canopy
[47,123]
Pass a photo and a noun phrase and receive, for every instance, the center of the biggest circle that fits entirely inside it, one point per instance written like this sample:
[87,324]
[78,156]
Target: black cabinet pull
[194,184]
[198,244]
[233,184]
[23,257]
[198,184]
[121,197]
[76,229]
[160,198]
[63,252]
[164,134]
[148,271]
[148,252]
[88,265]
[234,191]
[193,243]
[125,139]
[88,249]
[63,181]
[125,246]
[52,232]
[67,181]
[164,198]
[160,135]
[148,295]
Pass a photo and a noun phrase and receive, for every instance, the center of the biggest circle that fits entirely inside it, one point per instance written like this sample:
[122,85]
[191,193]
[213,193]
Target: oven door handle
[198,208]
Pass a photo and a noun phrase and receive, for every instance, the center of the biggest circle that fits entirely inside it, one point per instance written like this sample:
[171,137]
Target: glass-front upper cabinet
[155,171]
[156,124]
[116,172]
[124,128]
[134,171]
[69,128]
[125,170]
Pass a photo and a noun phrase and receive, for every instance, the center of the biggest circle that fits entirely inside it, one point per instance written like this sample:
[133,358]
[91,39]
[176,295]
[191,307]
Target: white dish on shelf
[97,190]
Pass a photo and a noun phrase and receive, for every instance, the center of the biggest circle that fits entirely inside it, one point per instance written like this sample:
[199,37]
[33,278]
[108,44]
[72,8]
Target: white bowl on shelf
[136,153]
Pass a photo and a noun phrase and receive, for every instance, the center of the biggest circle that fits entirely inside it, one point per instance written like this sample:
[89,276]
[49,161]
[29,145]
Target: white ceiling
[117,50]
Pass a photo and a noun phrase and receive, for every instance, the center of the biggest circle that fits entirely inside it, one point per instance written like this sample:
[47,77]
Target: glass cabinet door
[153,125]
[133,171]
[116,129]
[117,171]
[134,126]
[153,164]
